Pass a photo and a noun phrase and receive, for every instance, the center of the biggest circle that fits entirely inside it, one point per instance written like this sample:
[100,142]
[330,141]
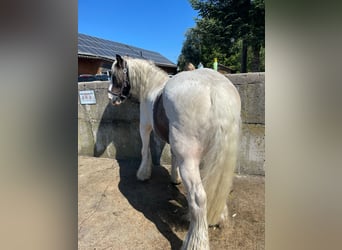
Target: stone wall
[251,87]
[113,132]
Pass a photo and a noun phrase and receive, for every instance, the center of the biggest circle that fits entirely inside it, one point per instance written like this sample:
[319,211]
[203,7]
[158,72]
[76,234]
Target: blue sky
[153,25]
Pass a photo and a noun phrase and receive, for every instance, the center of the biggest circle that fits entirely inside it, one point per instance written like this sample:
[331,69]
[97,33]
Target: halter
[123,94]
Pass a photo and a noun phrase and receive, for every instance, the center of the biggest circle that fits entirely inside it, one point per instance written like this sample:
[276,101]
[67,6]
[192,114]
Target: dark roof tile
[98,47]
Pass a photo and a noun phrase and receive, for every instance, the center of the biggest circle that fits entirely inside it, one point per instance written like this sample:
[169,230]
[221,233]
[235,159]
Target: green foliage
[191,51]
[220,30]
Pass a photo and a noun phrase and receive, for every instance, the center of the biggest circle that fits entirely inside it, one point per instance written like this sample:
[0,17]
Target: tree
[191,51]
[228,28]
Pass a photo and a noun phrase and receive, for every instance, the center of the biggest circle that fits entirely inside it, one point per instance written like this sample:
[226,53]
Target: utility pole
[244,57]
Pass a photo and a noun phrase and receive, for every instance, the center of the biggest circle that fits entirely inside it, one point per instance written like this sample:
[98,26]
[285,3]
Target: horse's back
[196,94]
[204,81]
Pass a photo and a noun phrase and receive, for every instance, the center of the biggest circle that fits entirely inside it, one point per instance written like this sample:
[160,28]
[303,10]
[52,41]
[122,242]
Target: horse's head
[119,87]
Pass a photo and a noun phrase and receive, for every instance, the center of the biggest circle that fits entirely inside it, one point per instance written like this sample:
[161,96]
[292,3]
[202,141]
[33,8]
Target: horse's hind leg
[197,236]
[175,178]
[188,153]
[145,169]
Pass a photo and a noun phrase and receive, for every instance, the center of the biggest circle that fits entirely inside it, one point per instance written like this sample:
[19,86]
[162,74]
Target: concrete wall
[251,87]
[108,131]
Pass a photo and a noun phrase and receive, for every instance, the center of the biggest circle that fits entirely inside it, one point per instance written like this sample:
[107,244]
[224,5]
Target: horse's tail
[218,162]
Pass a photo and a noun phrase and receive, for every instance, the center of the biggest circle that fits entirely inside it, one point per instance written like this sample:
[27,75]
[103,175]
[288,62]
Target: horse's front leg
[145,169]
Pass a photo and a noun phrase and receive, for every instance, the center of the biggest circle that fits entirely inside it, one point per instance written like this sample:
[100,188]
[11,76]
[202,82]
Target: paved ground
[118,212]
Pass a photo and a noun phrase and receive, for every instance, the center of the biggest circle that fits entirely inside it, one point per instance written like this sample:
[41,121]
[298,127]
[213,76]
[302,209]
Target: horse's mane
[144,77]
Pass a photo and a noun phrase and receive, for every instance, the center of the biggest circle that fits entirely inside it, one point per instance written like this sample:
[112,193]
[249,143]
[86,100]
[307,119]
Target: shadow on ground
[160,201]
[157,199]
[115,211]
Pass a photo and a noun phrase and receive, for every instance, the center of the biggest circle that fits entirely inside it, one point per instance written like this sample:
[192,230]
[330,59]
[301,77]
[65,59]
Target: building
[225,70]
[96,55]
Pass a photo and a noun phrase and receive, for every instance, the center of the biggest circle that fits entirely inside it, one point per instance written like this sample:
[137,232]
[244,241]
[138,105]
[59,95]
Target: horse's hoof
[141,176]
[176,183]
[176,180]
[143,181]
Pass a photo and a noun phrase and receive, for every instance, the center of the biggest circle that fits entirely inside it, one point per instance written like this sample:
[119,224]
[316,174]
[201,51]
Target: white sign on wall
[87,97]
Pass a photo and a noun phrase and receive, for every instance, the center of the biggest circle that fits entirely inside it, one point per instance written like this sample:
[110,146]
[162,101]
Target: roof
[226,68]
[101,48]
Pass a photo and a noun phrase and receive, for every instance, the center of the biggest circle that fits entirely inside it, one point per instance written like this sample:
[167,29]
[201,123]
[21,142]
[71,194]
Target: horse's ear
[119,60]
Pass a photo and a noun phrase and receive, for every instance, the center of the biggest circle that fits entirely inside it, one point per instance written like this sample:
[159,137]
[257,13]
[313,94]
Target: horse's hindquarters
[198,104]
[204,116]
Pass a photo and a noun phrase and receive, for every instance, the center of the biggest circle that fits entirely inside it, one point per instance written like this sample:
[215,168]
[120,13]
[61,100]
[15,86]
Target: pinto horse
[198,113]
